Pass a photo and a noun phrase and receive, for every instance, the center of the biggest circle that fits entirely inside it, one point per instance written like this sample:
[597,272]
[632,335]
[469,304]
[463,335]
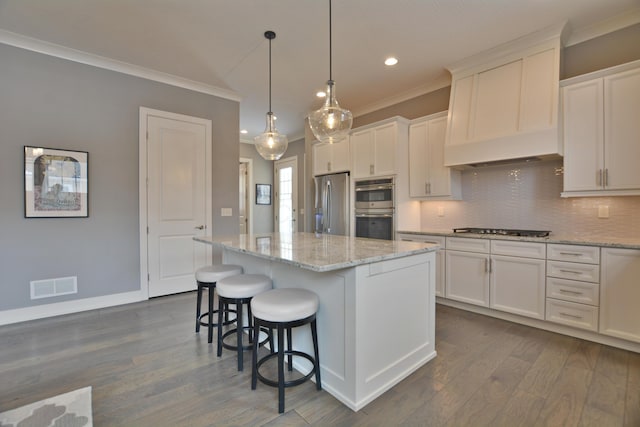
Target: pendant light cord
[270,75]
[330,47]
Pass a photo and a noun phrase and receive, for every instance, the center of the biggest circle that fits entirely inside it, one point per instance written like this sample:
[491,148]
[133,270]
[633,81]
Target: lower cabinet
[517,285]
[620,293]
[467,277]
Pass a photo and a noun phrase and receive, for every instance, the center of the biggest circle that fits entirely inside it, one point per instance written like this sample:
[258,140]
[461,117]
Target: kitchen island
[376,321]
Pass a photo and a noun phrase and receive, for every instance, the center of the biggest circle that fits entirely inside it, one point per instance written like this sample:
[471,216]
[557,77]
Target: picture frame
[56,183]
[263,194]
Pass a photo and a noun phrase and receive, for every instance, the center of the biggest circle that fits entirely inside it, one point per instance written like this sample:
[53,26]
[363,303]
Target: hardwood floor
[147,367]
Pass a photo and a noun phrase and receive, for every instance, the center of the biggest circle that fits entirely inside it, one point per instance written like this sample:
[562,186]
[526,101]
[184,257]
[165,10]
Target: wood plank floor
[147,367]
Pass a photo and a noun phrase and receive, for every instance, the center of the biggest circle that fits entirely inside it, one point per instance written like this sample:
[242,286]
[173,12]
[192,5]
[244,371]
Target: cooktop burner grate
[503,231]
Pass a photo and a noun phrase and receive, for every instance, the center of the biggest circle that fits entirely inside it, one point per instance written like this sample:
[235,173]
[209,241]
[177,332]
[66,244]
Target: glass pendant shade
[330,123]
[270,144]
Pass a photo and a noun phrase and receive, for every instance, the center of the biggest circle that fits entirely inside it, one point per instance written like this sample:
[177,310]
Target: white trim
[145,113]
[8,317]
[252,190]
[58,51]
[607,26]
[601,73]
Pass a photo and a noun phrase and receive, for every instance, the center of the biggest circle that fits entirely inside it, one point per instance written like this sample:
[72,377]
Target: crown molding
[439,83]
[601,28]
[58,51]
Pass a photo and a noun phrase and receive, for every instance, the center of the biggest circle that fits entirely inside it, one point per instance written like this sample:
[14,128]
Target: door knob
[200,227]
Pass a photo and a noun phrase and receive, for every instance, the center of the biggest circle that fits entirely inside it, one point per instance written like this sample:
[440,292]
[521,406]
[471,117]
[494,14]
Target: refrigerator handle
[328,213]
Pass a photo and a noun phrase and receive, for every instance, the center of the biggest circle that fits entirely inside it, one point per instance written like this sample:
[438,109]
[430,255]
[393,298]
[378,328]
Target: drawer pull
[566,291]
[571,271]
[570,253]
[570,315]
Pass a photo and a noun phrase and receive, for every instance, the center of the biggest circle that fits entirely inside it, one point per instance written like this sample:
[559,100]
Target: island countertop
[318,252]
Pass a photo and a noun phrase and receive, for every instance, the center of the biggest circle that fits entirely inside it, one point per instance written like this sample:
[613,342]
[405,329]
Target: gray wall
[262,174]
[50,102]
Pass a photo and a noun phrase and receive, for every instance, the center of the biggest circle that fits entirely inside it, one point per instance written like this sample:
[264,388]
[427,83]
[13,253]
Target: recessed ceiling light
[390,61]
[243,131]
[320,94]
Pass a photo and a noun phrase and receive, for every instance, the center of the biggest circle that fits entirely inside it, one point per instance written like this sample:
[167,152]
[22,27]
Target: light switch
[226,212]
[440,211]
[603,211]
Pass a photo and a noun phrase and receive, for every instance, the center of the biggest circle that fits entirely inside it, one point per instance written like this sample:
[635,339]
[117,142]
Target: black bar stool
[207,277]
[239,290]
[283,309]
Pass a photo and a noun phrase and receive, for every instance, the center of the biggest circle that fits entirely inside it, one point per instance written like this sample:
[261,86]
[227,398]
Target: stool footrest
[290,383]
[249,346]
[215,312]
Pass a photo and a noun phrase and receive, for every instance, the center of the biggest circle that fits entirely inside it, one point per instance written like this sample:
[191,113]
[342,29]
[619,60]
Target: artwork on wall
[263,194]
[56,183]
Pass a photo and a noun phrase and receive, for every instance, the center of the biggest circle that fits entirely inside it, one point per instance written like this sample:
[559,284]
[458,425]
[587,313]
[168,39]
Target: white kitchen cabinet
[428,177]
[373,150]
[467,270]
[440,257]
[331,158]
[504,102]
[517,271]
[620,293]
[601,133]
[573,285]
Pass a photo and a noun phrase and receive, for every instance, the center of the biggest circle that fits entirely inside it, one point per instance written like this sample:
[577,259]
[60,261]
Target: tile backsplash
[527,195]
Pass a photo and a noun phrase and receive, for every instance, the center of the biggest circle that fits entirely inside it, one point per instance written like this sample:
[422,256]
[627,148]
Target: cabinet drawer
[518,248]
[440,240]
[574,253]
[574,271]
[573,291]
[568,313]
[468,245]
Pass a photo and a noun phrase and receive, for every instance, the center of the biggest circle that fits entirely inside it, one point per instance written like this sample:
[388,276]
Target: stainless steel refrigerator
[332,204]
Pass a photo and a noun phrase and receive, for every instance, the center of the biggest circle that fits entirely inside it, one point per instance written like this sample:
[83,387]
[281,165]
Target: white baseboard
[8,317]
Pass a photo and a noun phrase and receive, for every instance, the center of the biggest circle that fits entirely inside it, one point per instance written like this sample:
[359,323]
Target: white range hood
[504,102]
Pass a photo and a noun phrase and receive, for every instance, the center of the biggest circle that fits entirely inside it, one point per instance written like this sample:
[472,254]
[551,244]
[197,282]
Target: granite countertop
[322,252]
[568,239]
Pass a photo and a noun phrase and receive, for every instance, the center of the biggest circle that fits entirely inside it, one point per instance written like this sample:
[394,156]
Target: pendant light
[330,123]
[270,144]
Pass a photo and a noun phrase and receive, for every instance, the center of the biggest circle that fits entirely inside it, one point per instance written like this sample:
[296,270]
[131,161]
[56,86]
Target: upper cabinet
[602,133]
[331,158]
[504,102]
[428,177]
[373,149]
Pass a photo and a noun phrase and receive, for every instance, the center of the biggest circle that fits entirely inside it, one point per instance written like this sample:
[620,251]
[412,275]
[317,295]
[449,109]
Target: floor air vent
[54,287]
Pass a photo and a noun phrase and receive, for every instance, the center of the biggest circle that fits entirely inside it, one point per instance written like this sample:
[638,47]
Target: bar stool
[239,290]
[283,309]
[207,277]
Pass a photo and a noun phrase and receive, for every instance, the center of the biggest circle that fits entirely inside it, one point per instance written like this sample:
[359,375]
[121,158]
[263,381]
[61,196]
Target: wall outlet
[603,211]
[440,211]
[226,212]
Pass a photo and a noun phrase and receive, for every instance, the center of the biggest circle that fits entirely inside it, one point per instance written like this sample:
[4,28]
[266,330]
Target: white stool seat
[285,305]
[243,285]
[216,272]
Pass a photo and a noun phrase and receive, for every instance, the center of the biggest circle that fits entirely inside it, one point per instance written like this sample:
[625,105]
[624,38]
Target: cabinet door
[583,136]
[418,179]
[362,153]
[622,130]
[340,156]
[385,149]
[321,159]
[620,293]
[439,176]
[467,277]
[518,285]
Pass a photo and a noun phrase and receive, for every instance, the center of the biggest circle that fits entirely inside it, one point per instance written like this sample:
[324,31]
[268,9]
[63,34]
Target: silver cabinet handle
[570,315]
[329,166]
[426,188]
[570,253]
[200,227]
[566,291]
[599,178]
[571,271]
[371,170]
[606,177]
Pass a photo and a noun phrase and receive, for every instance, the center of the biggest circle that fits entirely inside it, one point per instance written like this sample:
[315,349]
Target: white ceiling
[220,43]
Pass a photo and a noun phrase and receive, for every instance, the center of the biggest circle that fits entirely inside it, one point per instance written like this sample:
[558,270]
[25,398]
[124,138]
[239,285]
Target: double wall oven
[375,208]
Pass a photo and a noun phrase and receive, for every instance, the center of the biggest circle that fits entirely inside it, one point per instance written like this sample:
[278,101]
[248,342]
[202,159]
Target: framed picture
[263,194]
[56,183]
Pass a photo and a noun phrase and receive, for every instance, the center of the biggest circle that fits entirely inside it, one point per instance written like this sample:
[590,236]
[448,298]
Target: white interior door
[286,194]
[178,205]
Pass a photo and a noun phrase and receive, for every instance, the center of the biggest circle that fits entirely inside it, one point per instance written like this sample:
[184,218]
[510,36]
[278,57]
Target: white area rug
[71,409]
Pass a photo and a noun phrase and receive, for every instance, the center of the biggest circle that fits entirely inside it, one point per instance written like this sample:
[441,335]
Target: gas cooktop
[503,231]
